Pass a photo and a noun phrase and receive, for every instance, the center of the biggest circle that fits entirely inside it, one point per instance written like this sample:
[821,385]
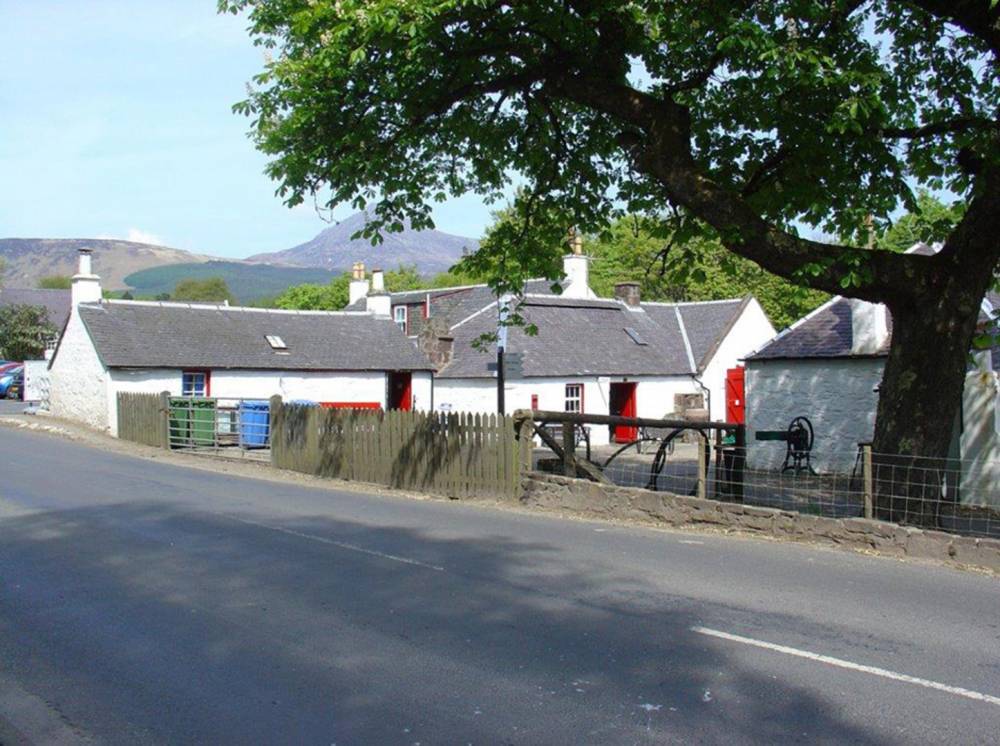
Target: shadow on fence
[459,455]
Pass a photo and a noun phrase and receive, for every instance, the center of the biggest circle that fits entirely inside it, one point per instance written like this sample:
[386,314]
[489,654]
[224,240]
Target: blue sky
[115,121]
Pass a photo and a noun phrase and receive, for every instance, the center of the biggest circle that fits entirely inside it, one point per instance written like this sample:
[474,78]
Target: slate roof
[706,323]
[452,304]
[828,333]
[579,337]
[153,335]
[56,302]
[825,333]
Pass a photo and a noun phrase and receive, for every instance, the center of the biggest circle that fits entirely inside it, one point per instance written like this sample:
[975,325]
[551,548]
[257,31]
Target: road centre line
[840,663]
[340,544]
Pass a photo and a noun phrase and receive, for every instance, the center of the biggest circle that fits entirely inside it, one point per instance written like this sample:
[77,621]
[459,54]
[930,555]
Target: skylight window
[276,342]
[636,337]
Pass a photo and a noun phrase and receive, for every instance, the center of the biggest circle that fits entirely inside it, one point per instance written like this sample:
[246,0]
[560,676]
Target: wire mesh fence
[237,428]
[955,495]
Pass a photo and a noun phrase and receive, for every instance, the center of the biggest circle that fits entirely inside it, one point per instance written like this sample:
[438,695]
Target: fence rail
[459,455]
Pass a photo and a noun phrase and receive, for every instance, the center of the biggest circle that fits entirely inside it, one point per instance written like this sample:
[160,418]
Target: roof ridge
[222,307]
[695,302]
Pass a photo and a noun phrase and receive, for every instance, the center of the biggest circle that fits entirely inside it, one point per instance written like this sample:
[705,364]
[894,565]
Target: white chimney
[576,270]
[378,301]
[869,327]
[358,288]
[86,287]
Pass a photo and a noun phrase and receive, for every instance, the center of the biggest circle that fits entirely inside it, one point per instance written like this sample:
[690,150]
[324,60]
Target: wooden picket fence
[454,454]
[141,419]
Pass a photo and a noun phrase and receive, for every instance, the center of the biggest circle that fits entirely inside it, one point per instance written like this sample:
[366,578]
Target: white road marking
[840,663]
[690,541]
[340,544]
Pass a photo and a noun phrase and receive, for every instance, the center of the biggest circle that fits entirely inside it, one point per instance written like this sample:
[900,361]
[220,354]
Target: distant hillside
[431,251]
[26,260]
[248,282]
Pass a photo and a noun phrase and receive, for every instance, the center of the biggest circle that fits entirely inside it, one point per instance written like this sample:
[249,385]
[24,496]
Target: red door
[401,391]
[736,406]
[623,398]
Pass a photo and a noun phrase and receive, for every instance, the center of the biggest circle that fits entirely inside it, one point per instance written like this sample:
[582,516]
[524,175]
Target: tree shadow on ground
[200,627]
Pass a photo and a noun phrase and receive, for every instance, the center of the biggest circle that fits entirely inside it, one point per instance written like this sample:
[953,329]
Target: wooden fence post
[569,449]
[526,444]
[275,428]
[866,470]
[702,468]
[165,419]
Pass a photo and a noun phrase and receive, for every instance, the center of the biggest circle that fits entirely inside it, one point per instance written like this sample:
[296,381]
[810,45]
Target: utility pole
[503,311]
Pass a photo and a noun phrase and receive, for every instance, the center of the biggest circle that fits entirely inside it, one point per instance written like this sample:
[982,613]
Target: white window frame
[402,319]
[573,397]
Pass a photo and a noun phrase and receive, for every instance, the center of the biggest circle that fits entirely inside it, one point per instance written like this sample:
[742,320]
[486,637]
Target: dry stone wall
[592,500]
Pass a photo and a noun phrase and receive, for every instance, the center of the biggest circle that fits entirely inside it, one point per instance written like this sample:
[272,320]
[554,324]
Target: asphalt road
[147,603]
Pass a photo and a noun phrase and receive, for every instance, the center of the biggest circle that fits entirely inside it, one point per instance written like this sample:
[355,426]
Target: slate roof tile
[150,335]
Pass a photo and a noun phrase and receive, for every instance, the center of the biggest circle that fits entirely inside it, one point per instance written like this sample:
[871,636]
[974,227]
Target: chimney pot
[86,286]
[629,293]
[378,301]
[358,286]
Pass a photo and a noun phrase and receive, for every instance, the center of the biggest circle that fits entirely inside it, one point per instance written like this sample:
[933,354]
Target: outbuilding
[828,366]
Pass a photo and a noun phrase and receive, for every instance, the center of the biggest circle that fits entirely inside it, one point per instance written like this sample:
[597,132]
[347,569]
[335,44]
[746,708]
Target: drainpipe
[708,394]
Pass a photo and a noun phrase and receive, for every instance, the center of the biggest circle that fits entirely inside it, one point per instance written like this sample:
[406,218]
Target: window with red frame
[195,383]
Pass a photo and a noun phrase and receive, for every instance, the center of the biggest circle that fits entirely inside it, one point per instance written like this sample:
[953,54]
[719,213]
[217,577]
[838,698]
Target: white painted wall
[319,386]
[751,330]
[78,380]
[423,390]
[838,397]
[980,440]
[654,395]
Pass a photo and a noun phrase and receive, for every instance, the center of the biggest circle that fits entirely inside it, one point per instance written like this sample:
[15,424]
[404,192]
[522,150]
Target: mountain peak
[333,248]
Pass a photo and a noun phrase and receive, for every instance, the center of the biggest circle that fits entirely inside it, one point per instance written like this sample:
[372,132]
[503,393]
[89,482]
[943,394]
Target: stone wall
[592,500]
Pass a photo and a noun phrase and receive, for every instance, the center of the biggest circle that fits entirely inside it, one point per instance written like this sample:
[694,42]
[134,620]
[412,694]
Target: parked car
[7,367]
[12,383]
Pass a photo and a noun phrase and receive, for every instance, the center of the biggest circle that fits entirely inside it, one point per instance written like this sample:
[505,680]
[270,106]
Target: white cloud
[140,236]
[135,234]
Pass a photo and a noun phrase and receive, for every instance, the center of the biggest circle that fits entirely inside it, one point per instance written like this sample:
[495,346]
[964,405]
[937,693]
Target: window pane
[399,315]
[574,397]
[193,384]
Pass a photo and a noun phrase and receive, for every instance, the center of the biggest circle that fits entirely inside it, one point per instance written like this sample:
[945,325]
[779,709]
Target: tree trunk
[921,393]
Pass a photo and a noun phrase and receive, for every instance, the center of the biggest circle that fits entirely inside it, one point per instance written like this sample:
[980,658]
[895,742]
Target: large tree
[762,121]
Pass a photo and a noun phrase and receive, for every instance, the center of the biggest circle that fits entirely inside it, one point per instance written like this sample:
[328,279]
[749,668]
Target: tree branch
[940,128]
[980,18]
[662,150]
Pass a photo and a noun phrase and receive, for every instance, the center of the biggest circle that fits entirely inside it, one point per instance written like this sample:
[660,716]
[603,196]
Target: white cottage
[828,367]
[332,358]
[601,356]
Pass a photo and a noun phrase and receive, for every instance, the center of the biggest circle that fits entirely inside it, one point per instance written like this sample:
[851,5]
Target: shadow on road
[141,621]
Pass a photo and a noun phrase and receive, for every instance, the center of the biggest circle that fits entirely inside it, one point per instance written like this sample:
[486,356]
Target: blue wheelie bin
[254,423]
